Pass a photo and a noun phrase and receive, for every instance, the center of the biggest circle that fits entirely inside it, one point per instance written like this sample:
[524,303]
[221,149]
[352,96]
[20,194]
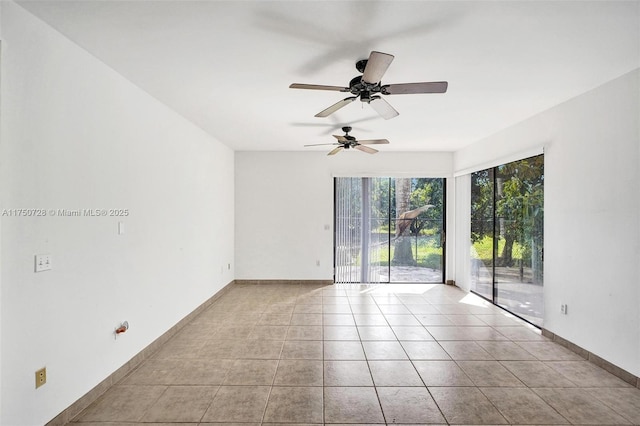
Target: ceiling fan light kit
[368,88]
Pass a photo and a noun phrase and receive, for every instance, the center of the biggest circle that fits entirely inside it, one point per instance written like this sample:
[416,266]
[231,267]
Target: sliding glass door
[507,213]
[482,233]
[389,230]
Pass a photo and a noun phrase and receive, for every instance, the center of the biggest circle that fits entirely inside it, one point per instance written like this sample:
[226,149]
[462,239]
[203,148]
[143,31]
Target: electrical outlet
[564,309]
[43,262]
[41,377]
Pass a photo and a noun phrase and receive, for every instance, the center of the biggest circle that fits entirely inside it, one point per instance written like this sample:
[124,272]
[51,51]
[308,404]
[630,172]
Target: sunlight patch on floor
[472,299]
[385,289]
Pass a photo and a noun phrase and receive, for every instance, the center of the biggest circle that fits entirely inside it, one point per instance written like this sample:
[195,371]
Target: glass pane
[519,232]
[482,242]
[417,254]
[379,250]
[379,217]
[389,230]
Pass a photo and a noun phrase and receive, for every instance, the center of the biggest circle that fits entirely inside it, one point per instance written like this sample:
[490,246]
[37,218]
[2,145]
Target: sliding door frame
[364,272]
[495,246]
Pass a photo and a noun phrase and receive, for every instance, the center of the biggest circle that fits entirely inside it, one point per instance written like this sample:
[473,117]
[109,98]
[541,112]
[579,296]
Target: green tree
[413,195]
[427,191]
[402,254]
[519,207]
[519,212]
[481,205]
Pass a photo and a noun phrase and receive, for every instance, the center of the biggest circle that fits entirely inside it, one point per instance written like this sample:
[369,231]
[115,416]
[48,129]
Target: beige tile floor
[350,354]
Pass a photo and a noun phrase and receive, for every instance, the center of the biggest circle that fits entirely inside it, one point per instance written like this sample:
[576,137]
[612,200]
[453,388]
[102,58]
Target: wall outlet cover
[41,377]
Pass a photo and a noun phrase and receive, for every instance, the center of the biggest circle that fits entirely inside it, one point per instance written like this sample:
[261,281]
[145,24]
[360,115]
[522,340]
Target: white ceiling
[227,65]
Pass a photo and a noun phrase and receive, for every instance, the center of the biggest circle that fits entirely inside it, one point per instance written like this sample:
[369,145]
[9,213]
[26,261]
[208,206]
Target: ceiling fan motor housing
[363,89]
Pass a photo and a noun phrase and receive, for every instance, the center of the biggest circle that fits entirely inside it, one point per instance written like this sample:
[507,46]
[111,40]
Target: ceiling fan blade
[383,108]
[409,88]
[341,138]
[333,108]
[373,141]
[366,149]
[320,144]
[335,150]
[376,67]
[318,87]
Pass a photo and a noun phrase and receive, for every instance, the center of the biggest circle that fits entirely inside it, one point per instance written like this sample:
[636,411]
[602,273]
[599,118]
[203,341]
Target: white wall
[76,135]
[592,214]
[285,199]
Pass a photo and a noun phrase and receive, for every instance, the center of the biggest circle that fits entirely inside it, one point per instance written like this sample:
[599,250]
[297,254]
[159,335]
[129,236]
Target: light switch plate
[43,262]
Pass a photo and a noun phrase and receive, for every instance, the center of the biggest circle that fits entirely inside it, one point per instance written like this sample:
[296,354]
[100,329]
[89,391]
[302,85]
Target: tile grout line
[266,402]
[324,414]
[375,388]
[496,356]
[416,370]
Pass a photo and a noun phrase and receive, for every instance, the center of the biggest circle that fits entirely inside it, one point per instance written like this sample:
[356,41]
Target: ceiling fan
[347,142]
[367,87]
